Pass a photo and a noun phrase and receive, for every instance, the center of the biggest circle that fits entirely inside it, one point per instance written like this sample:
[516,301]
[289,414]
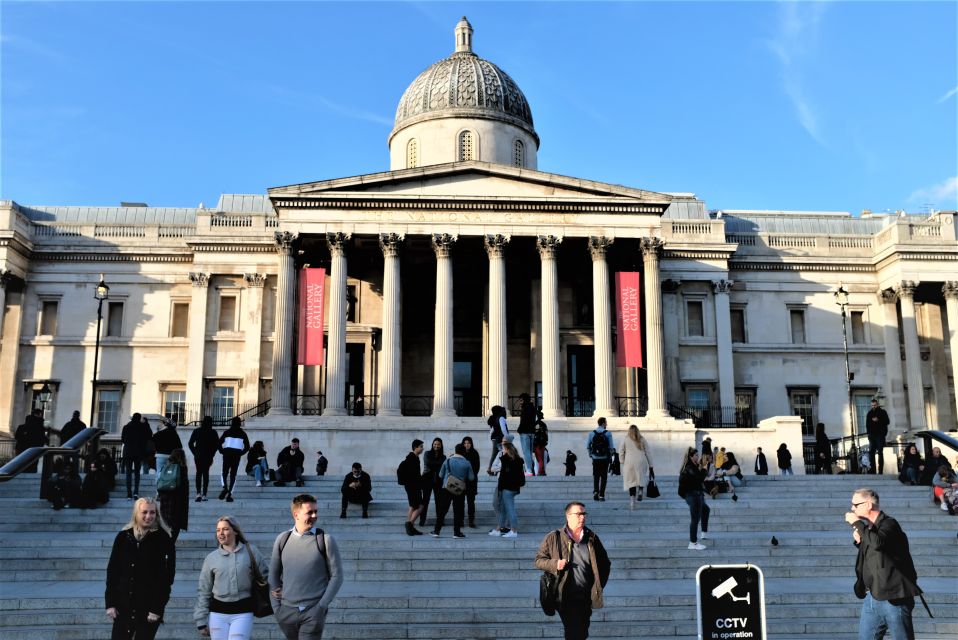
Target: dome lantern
[464,36]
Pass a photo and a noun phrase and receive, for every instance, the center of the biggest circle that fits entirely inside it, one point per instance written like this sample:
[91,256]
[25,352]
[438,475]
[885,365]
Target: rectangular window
[224,401]
[227,321]
[858,327]
[744,408]
[804,404]
[174,405]
[797,320]
[737,318]
[861,401]
[108,409]
[114,319]
[695,324]
[699,398]
[48,318]
[180,320]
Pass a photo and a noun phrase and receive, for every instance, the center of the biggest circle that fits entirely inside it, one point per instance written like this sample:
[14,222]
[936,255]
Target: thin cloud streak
[943,194]
[947,95]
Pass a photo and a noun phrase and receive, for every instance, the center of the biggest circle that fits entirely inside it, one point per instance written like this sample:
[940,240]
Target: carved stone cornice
[598,245]
[496,245]
[547,246]
[722,286]
[442,244]
[63,256]
[888,296]
[473,208]
[906,289]
[652,246]
[390,243]
[338,242]
[254,279]
[200,279]
[285,242]
[752,265]
[950,289]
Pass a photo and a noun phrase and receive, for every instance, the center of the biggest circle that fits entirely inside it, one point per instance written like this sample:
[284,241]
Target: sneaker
[511,534]
[495,533]
[205,499]
[259,484]
[458,536]
[434,534]
[695,546]
[199,498]
[229,497]
[136,496]
[601,498]
[529,475]
[704,536]
[223,493]
[944,506]
[595,496]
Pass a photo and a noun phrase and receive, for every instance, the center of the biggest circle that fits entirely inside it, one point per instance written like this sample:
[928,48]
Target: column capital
[200,279]
[390,243]
[285,242]
[722,286]
[442,244]
[888,296]
[547,246]
[598,245]
[337,242]
[496,245]
[950,289]
[9,279]
[652,246]
[254,279]
[906,289]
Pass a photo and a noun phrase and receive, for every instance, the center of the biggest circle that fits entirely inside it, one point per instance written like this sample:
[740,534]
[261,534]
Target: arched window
[412,154]
[518,153]
[466,148]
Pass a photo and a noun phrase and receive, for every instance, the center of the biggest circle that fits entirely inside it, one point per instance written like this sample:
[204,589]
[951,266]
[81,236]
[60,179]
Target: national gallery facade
[464,277]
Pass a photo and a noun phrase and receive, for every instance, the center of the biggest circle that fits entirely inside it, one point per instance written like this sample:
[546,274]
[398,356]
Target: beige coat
[635,464]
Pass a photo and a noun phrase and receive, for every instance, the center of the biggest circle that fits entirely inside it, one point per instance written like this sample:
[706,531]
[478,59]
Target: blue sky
[834,106]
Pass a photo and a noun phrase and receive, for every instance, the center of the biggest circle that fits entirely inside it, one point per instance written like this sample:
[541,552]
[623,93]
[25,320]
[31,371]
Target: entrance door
[467,384]
[580,367]
[356,404]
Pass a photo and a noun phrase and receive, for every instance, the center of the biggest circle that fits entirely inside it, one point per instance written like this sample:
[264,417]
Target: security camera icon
[726,588]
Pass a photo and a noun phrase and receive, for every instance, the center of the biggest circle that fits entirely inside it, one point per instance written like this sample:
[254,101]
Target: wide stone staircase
[53,563]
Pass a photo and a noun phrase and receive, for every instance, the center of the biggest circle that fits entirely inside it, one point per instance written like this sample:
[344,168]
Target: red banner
[312,293]
[628,320]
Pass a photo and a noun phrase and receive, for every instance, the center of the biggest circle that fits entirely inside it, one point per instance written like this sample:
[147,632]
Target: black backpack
[599,448]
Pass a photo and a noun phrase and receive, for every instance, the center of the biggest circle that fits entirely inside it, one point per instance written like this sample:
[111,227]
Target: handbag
[652,489]
[454,485]
[549,588]
[259,589]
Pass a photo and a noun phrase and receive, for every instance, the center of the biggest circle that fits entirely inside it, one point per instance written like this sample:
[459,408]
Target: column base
[606,413]
[389,413]
[657,414]
[334,411]
[280,411]
[443,413]
[553,413]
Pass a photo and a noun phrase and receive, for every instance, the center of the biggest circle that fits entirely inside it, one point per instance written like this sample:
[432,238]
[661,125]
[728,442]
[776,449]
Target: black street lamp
[841,299]
[101,293]
[44,396]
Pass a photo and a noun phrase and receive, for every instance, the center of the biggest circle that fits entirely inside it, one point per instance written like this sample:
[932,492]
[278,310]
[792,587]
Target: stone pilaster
[950,289]
[390,366]
[551,400]
[916,390]
[10,351]
[336,356]
[498,357]
[283,329]
[723,342]
[443,402]
[602,327]
[197,339]
[253,338]
[651,249]
[894,402]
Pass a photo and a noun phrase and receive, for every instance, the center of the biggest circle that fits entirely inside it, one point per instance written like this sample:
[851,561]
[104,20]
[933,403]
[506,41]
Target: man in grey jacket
[455,465]
[305,573]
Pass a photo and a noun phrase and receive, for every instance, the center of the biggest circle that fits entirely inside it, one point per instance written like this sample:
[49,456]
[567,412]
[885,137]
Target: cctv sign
[730,602]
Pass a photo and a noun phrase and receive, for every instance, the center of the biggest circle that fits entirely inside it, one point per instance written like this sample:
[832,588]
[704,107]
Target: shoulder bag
[259,589]
[549,586]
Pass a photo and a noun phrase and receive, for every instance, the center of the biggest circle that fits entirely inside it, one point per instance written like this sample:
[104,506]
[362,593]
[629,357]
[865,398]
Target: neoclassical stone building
[462,277]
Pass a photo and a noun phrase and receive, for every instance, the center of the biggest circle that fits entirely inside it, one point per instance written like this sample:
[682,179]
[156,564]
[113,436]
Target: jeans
[507,510]
[786,472]
[699,511]
[911,473]
[133,470]
[881,616]
[600,475]
[876,446]
[230,626]
[735,480]
[496,450]
[261,471]
[527,451]
[161,459]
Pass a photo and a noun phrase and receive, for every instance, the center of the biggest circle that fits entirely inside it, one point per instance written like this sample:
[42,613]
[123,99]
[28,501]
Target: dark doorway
[580,368]
[467,383]
[356,403]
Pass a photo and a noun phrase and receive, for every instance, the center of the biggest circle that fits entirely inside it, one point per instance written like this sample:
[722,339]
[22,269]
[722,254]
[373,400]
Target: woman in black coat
[911,466]
[431,462]
[823,450]
[784,460]
[175,503]
[139,576]
[472,486]
[692,489]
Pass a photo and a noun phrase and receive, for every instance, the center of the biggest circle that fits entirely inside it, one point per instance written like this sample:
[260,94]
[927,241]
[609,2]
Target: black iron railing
[221,413]
[632,406]
[715,417]
[308,405]
[578,407]
[415,405]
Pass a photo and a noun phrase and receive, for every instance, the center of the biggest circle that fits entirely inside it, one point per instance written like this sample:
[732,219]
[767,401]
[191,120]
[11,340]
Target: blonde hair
[159,523]
[234,525]
[637,438]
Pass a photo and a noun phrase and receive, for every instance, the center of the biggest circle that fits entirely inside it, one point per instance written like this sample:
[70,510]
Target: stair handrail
[943,438]
[26,458]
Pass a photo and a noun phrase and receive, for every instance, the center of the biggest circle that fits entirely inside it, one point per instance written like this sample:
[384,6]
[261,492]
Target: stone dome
[464,86]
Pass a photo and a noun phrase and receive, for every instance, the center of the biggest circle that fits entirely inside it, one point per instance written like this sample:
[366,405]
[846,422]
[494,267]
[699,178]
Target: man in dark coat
[204,443]
[761,464]
[31,433]
[526,431]
[289,465]
[876,424]
[135,436]
[886,576]
[71,428]
[357,488]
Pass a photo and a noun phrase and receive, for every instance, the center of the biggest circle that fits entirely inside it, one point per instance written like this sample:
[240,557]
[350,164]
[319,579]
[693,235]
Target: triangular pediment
[470,180]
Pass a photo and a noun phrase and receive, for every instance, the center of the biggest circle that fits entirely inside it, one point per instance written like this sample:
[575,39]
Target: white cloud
[943,195]
[947,95]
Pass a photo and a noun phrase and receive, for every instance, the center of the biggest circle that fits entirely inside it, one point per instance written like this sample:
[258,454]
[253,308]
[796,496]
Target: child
[569,463]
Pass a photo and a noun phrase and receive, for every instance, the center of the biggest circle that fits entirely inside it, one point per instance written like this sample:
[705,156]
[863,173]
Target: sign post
[730,599]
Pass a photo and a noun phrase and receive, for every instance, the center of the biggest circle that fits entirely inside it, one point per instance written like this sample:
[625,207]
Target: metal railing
[194,413]
[415,405]
[309,405]
[847,452]
[73,448]
[578,407]
[715,417]
[632,406]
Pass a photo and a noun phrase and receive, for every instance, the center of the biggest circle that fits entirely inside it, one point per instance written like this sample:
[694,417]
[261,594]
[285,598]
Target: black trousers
[346,502]
[443,500]
[203,476]
[600,475]
[576,616]
[429,487]
[231,463]
[126,628]
[876,447]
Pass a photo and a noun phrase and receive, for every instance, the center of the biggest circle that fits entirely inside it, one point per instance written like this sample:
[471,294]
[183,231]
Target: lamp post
[841,299]
[101,293]
[44,396]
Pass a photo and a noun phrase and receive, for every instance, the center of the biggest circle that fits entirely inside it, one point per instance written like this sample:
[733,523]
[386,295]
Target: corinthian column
[390,373]
[551,401]
[443,402]
[498,374]
[336,358]
[197,341]
[602,327]
[950,289]
[723,342]
[909,327]
[283,329]
[651,248]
